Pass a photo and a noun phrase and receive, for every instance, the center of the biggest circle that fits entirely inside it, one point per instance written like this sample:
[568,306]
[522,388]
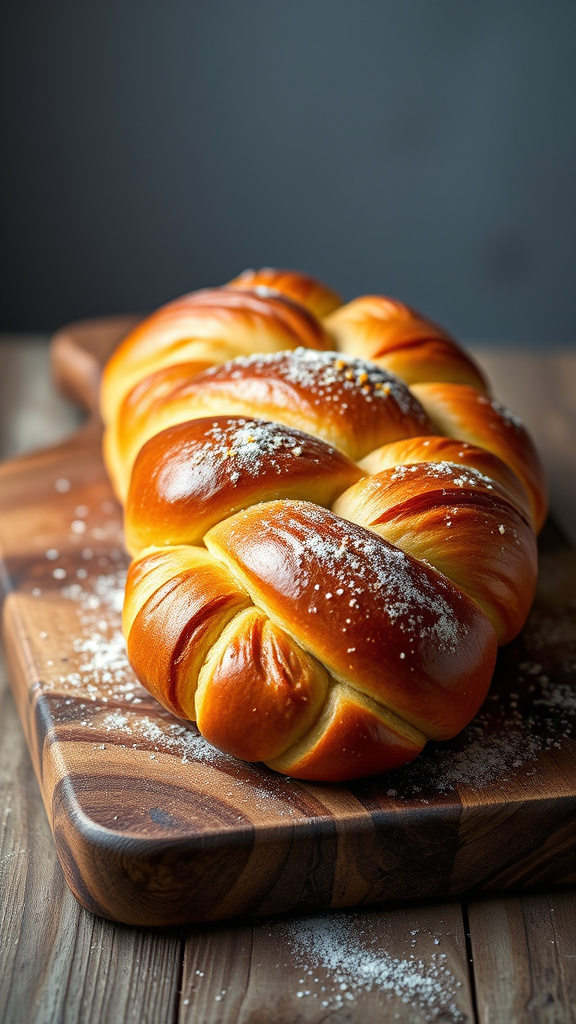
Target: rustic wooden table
[507,959]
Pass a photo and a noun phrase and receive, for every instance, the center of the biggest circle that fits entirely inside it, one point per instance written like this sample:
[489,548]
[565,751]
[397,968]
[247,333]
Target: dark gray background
[421,148]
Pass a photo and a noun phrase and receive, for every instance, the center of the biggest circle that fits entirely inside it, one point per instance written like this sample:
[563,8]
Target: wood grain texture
[406,964]
[58,962]
[153,826]
[61,964]
[524,951]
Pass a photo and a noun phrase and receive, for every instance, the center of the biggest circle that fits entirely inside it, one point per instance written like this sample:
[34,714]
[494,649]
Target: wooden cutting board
[155,827]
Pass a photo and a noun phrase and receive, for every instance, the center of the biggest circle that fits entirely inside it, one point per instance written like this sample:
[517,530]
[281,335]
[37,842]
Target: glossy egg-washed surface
[325,557]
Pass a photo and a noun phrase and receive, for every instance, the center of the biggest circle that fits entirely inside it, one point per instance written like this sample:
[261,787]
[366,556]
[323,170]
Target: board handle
[78,352]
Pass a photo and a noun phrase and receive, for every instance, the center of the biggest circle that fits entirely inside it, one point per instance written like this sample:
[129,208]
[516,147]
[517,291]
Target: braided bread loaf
[325,558]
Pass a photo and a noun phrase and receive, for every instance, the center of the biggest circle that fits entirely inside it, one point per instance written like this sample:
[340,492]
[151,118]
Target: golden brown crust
[308,291]
[459,411]
[431,448]
[212,325]
[190,477]
[463,524]
[276,689]
[142,405]
[352,405]
[378,619]
[324,616]
[178,601]
[354,737]
[402,340]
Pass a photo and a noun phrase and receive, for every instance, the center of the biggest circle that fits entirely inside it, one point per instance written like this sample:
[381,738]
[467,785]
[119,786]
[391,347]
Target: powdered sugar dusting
[362,567]
[529,713]
[249,442]
[509,418]
[348,951]
[327,377]
[450,473]
[163,733]
[243,447]
[103,670]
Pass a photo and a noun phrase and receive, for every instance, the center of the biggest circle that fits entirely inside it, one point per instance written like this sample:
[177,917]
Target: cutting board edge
[94,842]
[224,909]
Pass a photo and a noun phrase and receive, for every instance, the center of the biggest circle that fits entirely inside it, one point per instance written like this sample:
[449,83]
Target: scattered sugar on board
[251,785]
[102,668]
[162,731]
[507,735]
[333,961]
[531,709]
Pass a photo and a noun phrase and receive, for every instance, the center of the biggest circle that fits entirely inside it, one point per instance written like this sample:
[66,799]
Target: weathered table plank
[58,963]
[406,964]
[524,951]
